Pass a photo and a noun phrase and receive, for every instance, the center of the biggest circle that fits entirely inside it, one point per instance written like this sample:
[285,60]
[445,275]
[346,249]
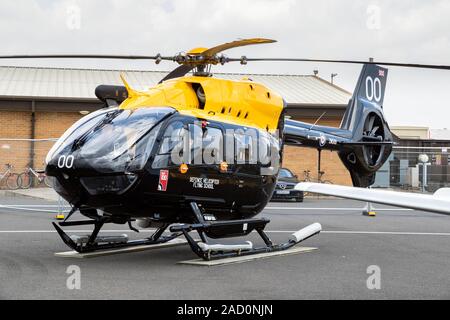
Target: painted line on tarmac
[32,210]
[31,205]
[400,233]
[266,208]
[336,209]
[397,233]
[70,231]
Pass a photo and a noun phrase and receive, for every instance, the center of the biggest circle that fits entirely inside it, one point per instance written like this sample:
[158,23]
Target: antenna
[317,121]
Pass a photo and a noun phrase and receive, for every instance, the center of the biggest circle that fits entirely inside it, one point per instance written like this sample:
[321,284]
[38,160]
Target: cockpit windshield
[113,141]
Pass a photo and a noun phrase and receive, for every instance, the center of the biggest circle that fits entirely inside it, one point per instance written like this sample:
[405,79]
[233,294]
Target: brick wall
[51,125]
[54,124]
[14,125]
[17,125]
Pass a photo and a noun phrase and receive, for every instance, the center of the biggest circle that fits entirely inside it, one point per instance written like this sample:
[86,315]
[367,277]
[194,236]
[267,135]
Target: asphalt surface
[411,249]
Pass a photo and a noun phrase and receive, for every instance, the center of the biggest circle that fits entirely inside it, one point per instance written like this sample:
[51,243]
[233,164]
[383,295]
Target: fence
[22,154]
[405,171]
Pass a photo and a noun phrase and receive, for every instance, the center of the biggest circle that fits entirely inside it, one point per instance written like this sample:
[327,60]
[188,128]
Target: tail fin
[369,92]
[364,141]
[371,138]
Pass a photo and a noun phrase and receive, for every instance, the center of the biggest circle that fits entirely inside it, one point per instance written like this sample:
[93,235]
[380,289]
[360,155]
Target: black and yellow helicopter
[198,153]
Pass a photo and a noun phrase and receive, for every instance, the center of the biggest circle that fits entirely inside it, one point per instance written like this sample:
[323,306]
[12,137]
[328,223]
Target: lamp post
[424,160]
[333,75]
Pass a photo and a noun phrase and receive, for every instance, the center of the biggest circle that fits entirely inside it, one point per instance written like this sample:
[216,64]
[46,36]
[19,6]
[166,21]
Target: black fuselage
[90,176]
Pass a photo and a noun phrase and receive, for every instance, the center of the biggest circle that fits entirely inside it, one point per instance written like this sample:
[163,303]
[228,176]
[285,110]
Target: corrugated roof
[81,83]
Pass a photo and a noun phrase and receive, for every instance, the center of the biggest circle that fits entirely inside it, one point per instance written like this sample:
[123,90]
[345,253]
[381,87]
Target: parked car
[285,187]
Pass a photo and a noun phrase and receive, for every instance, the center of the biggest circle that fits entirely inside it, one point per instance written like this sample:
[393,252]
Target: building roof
[76,84]
[440,134]
[411,132]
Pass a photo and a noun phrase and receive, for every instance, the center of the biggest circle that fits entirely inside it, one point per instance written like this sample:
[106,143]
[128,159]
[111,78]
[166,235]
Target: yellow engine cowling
[242,102]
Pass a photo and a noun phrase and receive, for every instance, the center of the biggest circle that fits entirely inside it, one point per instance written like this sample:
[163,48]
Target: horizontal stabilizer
[437,203]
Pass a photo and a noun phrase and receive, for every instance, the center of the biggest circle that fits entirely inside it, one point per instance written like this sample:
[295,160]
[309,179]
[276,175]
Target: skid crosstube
[224,229]
[235,228]
[221,228]
[92,245]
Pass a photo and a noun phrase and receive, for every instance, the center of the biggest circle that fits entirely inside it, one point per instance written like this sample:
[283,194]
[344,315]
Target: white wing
[438,203]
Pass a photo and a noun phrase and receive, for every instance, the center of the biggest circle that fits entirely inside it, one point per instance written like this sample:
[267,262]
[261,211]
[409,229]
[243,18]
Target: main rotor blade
[394,64]
[178,72]
[210,52]
[234,44]
[85,56]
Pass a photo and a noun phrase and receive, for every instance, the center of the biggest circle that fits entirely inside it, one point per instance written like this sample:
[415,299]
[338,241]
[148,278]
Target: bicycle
[30,175]
[307,174]
[12,179]
[308,178]
[321,174]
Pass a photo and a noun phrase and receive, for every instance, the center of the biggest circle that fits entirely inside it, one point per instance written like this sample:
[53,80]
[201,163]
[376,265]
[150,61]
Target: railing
[407,172]
[22,154]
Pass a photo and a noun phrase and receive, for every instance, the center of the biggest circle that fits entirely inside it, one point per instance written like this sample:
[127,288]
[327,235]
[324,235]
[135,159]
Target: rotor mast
[200,60]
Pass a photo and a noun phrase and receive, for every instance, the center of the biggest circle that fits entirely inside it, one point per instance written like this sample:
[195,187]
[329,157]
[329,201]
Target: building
[404,169]
[411,132]
[41,103]
[440,134]
[420,133]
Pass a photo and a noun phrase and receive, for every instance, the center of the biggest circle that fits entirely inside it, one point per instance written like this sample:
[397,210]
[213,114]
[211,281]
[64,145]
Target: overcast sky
[403,31]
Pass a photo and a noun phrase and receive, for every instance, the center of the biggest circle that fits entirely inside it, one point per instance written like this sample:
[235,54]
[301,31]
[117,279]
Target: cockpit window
[173,134]
[76,130]
[116,141]
[118,132]
[172,143]
[191,144]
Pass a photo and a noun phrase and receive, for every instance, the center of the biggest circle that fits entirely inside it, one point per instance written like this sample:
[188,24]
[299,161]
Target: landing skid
[235,228]
[206,251]
[92,243]
[218,251]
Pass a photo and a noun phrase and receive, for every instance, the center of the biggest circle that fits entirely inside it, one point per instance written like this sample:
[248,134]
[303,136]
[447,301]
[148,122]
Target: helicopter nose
[80,183]
[64,182]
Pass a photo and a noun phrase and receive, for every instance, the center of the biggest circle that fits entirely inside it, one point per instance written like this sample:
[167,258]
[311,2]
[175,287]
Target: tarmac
[408,250]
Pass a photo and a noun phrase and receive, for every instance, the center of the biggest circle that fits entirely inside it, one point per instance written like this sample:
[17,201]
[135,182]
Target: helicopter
[201,154]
